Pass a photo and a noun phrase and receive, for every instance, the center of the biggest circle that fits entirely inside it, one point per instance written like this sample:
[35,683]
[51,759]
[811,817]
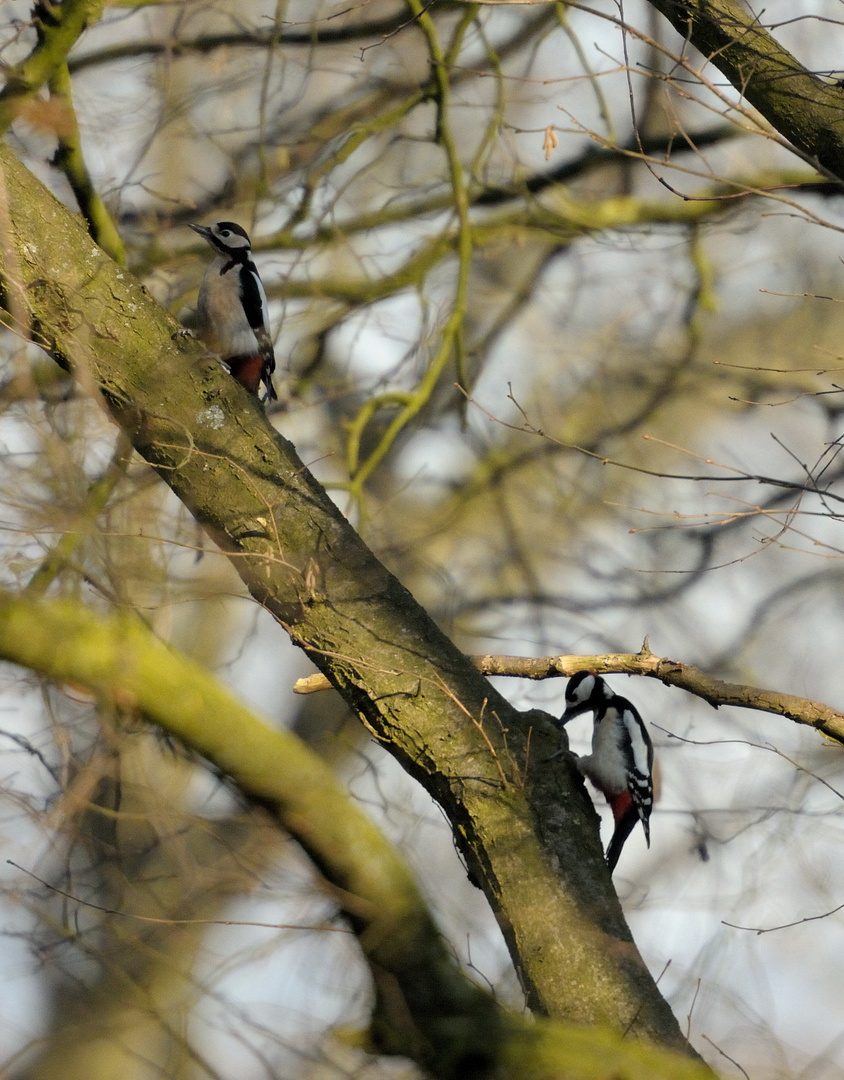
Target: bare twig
[823,718]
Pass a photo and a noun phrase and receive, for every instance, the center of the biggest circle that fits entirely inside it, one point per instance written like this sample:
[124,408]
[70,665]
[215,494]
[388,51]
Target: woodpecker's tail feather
[623,828]
[267,380]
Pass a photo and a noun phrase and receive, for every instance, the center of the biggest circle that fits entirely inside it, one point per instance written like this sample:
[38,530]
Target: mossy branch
[59,26]
[123,664]
[70,160]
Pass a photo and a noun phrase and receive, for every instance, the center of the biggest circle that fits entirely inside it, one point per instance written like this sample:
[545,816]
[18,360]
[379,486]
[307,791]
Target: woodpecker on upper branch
[621,762]
[232,314]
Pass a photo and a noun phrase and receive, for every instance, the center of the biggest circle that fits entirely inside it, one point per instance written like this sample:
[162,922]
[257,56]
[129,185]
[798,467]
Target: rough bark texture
[543,874]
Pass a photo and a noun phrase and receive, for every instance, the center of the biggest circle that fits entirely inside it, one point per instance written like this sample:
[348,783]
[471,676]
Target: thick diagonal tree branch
[803,108]
[543,874]
[124,665]
[443,1020]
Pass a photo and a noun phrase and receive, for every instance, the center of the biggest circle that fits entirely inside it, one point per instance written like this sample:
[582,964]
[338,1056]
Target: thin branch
[254,39]
[69,158]
[823,718]
[175,922]
[784,926]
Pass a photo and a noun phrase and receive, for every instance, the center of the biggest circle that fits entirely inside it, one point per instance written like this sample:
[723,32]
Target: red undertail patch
[620,804]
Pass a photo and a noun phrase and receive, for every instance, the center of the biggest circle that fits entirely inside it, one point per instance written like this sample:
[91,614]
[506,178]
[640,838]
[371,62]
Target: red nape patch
[247,371]
[620,805]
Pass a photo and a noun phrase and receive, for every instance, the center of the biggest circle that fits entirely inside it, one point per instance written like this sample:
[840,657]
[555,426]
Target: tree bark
[801,107]
[426,1007]
[526,829]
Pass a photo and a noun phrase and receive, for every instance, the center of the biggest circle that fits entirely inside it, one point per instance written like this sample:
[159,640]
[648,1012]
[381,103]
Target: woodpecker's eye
[225,232]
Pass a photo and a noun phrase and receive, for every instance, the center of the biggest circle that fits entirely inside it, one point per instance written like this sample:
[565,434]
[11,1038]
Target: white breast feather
[223,326]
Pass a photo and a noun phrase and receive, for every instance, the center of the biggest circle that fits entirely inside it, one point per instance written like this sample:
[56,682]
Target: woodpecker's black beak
[203,230]
[574,710]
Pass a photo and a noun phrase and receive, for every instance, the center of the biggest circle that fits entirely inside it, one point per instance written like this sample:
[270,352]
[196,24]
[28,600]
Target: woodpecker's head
[226,237]
[585,691]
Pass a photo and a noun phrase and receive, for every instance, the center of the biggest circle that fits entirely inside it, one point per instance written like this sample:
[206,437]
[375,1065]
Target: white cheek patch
[585,689]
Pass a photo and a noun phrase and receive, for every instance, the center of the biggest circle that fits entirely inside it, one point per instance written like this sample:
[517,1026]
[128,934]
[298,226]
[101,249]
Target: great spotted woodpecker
[232,314]
[621,762]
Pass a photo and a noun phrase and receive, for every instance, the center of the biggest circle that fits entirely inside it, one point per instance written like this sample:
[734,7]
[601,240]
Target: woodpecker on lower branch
[621,762]
[232,314]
